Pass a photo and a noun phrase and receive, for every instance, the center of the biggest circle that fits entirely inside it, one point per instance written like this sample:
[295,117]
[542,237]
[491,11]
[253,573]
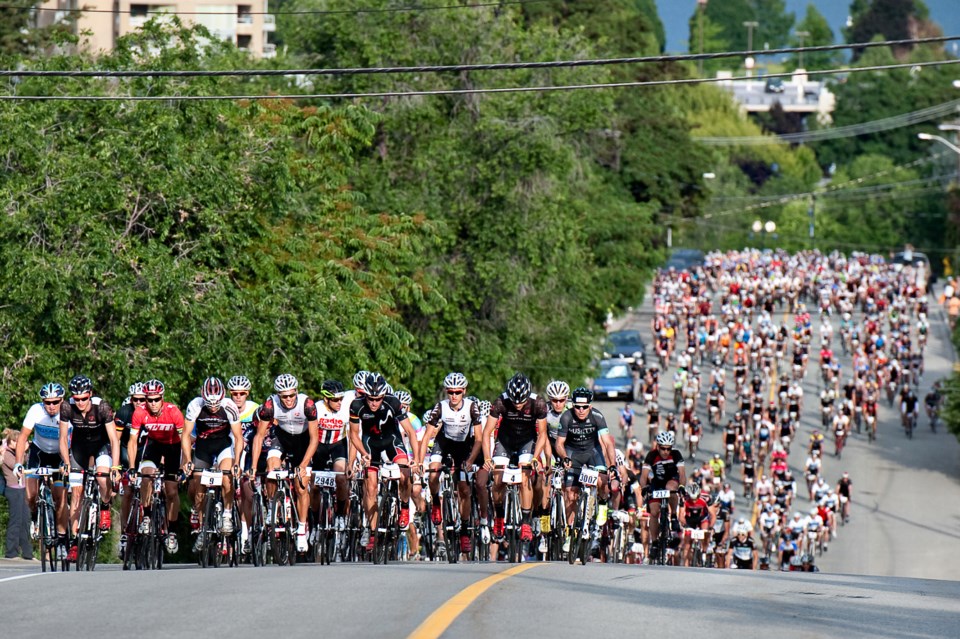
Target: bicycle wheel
[511,524]
[258,542]
[451,527]
[585,538]
[576,533]
[383,523]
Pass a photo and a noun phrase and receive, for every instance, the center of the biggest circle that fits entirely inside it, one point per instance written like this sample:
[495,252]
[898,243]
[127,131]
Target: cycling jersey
[582,435]
[211,424]
[696,513]
[45,427]
[292,421]
[517,426]
[332,424]
[90,427]
[378,424]
[742,552]
[663,469]
[122,420]
[844,487]
[163,428]
[457,425]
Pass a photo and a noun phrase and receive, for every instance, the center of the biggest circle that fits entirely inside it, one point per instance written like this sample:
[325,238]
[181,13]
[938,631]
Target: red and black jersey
[164,427]
[696,512]
[663,469]
[518,426]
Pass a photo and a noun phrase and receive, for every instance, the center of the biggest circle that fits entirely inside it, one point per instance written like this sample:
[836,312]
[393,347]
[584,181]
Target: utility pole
[800,36]
[750,25]
[701,8]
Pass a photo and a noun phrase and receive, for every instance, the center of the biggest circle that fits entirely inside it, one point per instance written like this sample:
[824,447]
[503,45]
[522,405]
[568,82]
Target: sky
[675,15]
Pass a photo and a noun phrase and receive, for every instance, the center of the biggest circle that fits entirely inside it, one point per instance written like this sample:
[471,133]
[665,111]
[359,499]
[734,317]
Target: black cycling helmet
[80,384]
[331,389]
[582,395]
[374,385]
[518,388]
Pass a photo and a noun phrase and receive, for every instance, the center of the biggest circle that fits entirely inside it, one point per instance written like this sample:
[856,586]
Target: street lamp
[766,228]
[950,145]
[750,25]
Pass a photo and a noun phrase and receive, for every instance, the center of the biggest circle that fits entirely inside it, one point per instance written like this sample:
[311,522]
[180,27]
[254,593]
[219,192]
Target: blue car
[614,380]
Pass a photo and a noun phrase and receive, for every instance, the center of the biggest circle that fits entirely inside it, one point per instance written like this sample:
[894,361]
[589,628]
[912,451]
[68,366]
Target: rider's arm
[237,430]
[354,430]
[541,438]
[186,443]
[313,427]
[561,448]
[262,426]
[487,436]
[412,437]
[65,443]
[114,439]
[475,451]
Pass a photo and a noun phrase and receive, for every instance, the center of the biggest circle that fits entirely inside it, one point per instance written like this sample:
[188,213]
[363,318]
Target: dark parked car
[684,259]
[614,380]
[626,345]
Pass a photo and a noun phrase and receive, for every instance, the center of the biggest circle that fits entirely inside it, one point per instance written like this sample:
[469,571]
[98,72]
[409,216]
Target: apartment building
[243,22]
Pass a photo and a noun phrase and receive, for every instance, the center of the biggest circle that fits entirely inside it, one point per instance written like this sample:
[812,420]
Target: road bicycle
[581,534]
[45,521]
[325,533]
[211,542]
[663,533]
[387,533]
[89,535]
[558,515]
[282,521]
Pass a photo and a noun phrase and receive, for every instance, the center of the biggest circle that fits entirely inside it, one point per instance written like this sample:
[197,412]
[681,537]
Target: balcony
[269,23]
[269,50]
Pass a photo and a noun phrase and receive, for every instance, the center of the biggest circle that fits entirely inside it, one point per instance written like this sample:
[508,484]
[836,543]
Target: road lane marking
[33,574]
[437,623]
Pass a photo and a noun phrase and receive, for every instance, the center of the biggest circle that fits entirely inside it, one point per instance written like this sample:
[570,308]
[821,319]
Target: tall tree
[820,34]
[891,19]
[20,34]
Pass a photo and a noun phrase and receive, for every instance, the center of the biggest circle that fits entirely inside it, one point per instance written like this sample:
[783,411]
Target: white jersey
[333,424]
[46,429]
[196,405]
[457,424]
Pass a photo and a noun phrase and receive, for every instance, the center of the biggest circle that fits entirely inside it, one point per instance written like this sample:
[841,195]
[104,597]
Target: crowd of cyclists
[355,475]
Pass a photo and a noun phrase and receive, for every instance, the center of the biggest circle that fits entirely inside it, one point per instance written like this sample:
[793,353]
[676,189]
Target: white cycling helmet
[665,438]
[285,382]
[359,378]
[239,382]
[558,389]
[404,397]
[455,380]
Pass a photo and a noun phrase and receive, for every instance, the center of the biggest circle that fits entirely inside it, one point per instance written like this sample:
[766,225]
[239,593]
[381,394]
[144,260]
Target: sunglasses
[154,400]
[666,448]
[581,406]
[454,392]
[559,401]
[334,399]
[287,395]
[238,393]
[83,398]
[138,400]
[378,398]
[51,402]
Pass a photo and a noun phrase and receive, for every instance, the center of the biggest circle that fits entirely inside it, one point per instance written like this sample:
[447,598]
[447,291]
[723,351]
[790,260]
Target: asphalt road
[904,519]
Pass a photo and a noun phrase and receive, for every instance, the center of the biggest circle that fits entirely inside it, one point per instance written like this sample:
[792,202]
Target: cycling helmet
[518,388]
[455,380]
[474,399]
[239,382]
[582,395]
[55,390]
[693,490]
[285,382]
[484,407]
[80,385]
[716,455]
[331,389]
[388,389]
[136,388]
[558,389]
[665,438]
[212,392]
[404,397]
[359,378]
[374,385]
[814,512]
[153,387]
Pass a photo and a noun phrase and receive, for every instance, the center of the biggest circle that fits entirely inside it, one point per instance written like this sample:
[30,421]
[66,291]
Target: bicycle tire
[510,525]
[586,540]
[380,533]
[663,534]
[559,527]
[451,532]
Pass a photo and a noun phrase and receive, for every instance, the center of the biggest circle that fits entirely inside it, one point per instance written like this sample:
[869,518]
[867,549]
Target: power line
[842,193]
[435,92]
[852,130]
[324,12]
[834,187]
[498,66]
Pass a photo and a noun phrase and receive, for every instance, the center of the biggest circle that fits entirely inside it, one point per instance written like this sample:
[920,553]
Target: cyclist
[663,468]
[162,449]
[718,468]
[933,401]
[292,417]
[558,393]
[335,448]
[742,553]
[908,408]
[844,488]
[212,424]
[135,399]
[516,427]
[584,440]
[626,421]
[455,428]
[89,434]
[376,420]
[694,515]
[239,387]
[43,420]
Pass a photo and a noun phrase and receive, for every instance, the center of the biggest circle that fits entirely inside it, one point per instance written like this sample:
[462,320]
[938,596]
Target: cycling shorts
[591,457]
[522,455]
[210,453]
[36,458]
[329,454]
[82,451]
[162,456]
[382,449]
[443,447]
[293,447]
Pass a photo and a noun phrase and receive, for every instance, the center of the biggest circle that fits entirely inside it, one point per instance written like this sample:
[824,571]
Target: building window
[243,14]
[139,10]
[243,41]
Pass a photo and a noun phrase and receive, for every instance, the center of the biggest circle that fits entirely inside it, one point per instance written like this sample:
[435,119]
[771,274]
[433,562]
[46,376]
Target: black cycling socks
[525,516]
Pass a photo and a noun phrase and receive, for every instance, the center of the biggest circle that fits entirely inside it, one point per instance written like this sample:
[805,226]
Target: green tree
[820,34]
[19,33]
[891,19]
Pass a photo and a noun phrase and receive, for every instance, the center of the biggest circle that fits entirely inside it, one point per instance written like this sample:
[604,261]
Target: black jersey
[89,427]
[380,423]
[122,419]
[518,426]
[211,424]
[664,469]
[582,435]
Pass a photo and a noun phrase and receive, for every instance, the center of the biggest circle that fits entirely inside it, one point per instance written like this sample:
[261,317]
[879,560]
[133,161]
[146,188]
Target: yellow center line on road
[438,622]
